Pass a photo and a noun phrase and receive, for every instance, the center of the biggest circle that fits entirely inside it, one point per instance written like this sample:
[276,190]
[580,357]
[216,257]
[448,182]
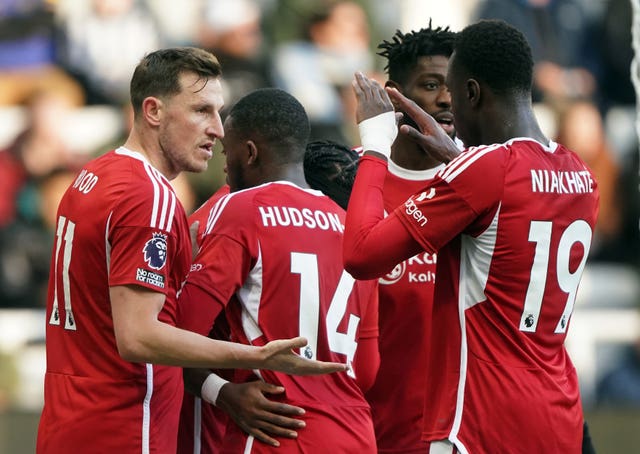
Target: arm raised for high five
[431,137]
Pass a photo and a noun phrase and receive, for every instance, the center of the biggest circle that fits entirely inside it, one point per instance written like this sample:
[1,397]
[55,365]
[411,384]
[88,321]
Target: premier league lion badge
[155,251]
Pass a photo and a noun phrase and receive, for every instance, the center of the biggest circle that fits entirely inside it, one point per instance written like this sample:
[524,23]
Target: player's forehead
[201,88]
[435,65]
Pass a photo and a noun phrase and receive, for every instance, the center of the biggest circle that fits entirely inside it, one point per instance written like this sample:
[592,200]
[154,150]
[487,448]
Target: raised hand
[377,122]
[372,98]
[248,406]
[431,137]
[279,355]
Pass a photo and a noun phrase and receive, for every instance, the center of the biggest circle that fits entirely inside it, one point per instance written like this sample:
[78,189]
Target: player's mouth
[445,120]
[208,149]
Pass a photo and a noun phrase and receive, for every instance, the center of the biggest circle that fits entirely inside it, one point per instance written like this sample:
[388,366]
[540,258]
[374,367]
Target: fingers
[413,133]
[312,367]
[260,435]
[406,105]
[291,344]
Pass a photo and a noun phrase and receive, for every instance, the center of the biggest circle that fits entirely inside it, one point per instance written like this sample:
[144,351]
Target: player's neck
[510,121]
[293,173]
[408,155]
[136,142]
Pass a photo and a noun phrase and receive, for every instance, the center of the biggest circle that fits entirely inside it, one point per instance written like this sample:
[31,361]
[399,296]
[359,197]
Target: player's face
[236,155]
[465,125]
[426,87]
[190,123]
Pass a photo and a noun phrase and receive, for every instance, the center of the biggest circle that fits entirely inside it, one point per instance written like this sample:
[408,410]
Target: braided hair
[404,49]
[331,167]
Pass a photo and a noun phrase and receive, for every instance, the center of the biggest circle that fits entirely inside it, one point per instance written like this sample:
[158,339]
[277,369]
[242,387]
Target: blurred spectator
[620,387]
[27,59]
[102,41]
[36,152]
[559,32]
[25,244]
[231,30]
[580,128]
[614,45]
[35,170]
[178,21]
[318,70]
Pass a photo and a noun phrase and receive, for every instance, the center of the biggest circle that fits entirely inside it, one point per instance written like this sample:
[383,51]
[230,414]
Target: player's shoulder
[202,212]
[474,161]
[232,208]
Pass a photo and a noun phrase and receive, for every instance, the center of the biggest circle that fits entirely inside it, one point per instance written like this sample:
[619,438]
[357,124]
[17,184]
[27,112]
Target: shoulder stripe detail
[464,161]
[156,191]
[164,200]
[216,211]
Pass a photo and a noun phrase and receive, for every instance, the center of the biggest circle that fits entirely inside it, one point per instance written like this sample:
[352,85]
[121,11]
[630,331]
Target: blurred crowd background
[65,66]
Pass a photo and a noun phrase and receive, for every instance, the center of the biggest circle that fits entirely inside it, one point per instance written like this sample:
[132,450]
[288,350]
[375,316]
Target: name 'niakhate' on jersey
[272,259]
[512,224]
[119,223]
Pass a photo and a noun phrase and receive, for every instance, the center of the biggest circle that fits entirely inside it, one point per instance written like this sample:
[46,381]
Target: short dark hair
[331,167]
[496,53]
[158,73]
[404,49]
[274,117]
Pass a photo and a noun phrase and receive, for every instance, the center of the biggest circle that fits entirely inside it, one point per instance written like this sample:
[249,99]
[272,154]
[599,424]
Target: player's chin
[198,165]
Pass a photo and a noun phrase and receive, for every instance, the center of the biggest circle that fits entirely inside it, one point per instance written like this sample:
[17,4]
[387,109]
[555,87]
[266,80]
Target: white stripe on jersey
[249,296]
[216,211]
[146,410]
[442,447]
[475,263]
[164,198]
[464,160]
[156,191]
[249,445]
[197,425]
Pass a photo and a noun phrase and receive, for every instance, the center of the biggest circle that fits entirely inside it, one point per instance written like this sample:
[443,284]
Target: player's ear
[252,152]
[473,92]
[152,110]
[393,84]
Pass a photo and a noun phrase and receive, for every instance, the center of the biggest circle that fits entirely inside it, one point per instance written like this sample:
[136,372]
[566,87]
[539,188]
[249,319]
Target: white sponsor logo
[413,211]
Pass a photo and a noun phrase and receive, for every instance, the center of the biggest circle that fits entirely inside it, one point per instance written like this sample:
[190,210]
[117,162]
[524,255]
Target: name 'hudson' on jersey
[295,217]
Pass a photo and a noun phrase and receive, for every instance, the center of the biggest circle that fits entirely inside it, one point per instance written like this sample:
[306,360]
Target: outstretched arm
[141,337]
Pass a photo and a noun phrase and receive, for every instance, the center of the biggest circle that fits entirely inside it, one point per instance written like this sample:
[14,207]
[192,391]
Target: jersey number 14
[306,265]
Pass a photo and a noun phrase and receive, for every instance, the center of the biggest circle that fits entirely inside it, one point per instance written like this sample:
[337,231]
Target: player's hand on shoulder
[279,355]
[248,405]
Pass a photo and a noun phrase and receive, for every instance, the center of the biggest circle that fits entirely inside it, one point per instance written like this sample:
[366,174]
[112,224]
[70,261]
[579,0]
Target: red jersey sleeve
[367,358]
[142,245]
[373,245]
[456,200]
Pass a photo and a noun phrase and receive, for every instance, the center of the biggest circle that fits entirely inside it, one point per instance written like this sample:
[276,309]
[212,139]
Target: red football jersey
[512,224]
[119,223]
[273,256]
[202,425]
[406,296]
